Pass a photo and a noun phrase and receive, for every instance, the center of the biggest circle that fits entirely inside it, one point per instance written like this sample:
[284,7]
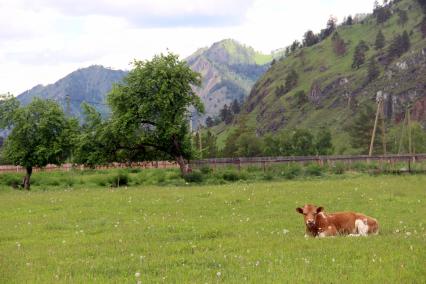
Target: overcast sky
[41,41]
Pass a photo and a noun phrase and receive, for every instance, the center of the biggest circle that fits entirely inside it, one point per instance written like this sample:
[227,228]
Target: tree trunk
[184,167]
[26,182]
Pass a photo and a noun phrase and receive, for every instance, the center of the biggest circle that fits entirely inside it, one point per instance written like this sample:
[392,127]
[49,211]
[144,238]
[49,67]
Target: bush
[231,176]
[10,180]
[291,171]
[134,170]
[195,176]
[268,176]
[338,168]
[360,167]
[119,179]
[313,170]
[205,170]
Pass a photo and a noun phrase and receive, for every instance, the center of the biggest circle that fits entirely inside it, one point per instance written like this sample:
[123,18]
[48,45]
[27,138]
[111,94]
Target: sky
[42,41]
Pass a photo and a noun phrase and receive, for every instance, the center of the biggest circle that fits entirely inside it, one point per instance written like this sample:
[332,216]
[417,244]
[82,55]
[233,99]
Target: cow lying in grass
[320,224]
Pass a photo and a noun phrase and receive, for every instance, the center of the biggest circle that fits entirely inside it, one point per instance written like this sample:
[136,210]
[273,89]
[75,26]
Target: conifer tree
[380,41]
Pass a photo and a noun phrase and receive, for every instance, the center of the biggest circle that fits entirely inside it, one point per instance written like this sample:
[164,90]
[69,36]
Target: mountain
[323,90]
[229,71]
[89,85]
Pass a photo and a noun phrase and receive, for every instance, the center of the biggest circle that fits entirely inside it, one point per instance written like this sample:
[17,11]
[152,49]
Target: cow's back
[353,223]
[343,221]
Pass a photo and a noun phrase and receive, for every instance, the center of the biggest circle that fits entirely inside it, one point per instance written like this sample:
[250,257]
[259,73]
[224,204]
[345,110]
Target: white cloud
[43,40]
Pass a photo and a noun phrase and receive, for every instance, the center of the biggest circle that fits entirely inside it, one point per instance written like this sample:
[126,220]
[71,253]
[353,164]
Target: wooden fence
[264,162]
[68,167]
[407,160]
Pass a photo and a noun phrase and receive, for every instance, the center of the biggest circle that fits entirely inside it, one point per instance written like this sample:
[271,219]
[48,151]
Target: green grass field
[235,233]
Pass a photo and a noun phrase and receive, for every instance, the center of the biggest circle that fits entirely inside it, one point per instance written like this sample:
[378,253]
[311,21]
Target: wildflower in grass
[137,274]
[218,274]
[285,231]
[257,263]
[408,234]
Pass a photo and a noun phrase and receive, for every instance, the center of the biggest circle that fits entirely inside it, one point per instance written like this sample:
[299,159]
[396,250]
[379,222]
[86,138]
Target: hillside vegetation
[318,86]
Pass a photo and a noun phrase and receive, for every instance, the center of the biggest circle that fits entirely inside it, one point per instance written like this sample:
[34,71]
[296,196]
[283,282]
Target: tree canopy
[41,135]
[150,109]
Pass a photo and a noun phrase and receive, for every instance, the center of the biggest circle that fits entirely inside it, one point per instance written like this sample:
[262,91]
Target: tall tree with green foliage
[339,45]
[291,80]
[309,38]
[323,142]
[235,107]
[8,105]
[95,143]
[382,13]
[380,41]
[249,145]
[399,45]
[150,108]
[373,70]
[226,114]
[359,55]
[303,143]
[41,135]
[209,144]
[361,128]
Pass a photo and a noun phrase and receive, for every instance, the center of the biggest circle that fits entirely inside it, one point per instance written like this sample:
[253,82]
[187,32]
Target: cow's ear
[320,209]
[300,210]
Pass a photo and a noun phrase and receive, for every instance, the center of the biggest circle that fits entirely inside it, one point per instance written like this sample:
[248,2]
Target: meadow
[76,228]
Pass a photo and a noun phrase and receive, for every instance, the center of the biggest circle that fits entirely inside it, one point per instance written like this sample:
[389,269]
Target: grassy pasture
[236,233]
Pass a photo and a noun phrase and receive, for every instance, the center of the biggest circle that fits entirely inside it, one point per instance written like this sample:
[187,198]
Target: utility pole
[200,142]
[383,128]
[379,112]
[410,145]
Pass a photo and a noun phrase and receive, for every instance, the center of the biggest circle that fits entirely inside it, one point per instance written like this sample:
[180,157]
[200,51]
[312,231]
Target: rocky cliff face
[332,91]
[229,70]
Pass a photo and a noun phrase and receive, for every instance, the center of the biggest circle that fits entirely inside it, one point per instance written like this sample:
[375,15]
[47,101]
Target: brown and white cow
[320,224]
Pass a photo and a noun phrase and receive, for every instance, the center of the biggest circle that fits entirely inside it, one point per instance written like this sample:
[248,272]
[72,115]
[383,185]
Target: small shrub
[231,176]
[195,177]
[292,171]
[359,167]
[10,180]
[134,170]
[268,176]
[119,179]
[313,170]
[338,168]
[205,170]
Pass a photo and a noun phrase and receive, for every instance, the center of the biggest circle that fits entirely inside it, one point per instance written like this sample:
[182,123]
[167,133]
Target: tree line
[245,143]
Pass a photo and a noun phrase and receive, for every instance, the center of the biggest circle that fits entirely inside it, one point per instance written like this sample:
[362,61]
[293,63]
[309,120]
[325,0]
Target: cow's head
[310,213]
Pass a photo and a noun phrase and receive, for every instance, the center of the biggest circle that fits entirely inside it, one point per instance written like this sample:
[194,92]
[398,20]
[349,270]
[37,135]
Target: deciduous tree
[41,135]
[150,108]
